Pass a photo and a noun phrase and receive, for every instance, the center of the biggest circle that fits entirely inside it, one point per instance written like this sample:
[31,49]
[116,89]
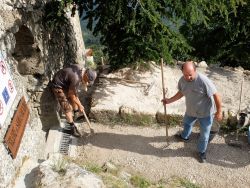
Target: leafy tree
[143,30]
[54,15]
[132,32]
[226,41]
[136,30]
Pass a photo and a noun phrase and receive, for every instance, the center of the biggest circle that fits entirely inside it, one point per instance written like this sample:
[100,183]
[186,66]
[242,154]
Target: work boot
[67,129]
[78,115]
[202,157]
[75,132]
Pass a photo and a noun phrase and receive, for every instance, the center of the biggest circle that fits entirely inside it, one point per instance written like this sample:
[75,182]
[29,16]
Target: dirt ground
[145,150]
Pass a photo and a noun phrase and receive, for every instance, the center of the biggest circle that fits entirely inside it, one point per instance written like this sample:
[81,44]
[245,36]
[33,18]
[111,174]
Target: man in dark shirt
[64,86]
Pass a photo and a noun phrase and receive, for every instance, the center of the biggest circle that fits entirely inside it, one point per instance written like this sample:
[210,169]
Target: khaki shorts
[62,99]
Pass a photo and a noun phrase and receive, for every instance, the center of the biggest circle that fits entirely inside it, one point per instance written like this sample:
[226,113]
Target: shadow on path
[218,154]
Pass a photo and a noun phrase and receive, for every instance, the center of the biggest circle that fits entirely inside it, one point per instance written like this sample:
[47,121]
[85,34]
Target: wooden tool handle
[164,96]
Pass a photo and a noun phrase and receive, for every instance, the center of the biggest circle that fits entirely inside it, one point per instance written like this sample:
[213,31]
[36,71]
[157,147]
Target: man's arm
[217,100]
[176,97]
[73,97]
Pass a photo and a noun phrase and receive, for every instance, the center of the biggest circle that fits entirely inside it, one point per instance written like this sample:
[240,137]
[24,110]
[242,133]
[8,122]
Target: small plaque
[15,132]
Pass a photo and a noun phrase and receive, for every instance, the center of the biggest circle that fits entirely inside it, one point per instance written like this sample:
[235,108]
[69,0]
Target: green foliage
[227,126]
[222,40]
[187,184]
[139,181]
[133,33]
[176,181]
[90,64]
[55,14]
[60,166]
[140,31]
[97,52]
[138,119]
[113,181]
[93,168]
[112,118]
[174,120]
[147,30]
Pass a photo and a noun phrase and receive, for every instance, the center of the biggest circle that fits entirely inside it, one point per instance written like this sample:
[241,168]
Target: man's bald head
[189,70]
[188,65]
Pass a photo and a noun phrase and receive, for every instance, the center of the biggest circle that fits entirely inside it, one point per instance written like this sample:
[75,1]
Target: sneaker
[202,157]
[75,132]
[179,138]
[78,116]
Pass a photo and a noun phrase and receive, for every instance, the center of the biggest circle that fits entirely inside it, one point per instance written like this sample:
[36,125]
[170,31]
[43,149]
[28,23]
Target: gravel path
[144,149]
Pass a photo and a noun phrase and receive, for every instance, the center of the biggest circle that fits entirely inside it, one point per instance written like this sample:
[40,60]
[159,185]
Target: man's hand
[81,108]
[165,101]
[217,100]
[218,115]
[176,97]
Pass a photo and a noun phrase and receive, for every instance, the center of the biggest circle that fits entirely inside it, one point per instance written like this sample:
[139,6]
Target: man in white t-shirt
[203,103]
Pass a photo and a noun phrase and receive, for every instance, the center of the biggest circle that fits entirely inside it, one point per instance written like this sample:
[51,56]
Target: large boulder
[57,172]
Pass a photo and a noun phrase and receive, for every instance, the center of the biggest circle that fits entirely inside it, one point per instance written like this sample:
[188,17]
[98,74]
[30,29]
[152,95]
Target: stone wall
[33,54]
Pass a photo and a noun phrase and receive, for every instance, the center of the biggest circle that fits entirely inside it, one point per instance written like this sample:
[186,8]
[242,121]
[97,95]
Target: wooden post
[102,61]
[241,88]
[164,96]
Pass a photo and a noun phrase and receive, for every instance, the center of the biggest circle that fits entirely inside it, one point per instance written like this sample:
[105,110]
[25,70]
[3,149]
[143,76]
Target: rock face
[32,53]
[70,175]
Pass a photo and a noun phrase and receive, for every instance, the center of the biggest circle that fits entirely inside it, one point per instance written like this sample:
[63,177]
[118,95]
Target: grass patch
[182,182]
[94,168]
[171,120]
[137,119]
[60,165]
[230,124]
[139,181]
[89,166]
[187,184]
[108,117]
[112,118]
[112,181]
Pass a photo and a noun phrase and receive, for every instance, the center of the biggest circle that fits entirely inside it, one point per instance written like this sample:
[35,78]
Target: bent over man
[201,99]
[65,85]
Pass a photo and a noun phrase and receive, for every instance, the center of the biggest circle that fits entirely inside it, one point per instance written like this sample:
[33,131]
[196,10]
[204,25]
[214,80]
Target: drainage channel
[65,140]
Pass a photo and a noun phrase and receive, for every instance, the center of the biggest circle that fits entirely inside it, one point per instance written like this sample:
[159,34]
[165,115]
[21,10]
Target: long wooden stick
[87,119]
[241,88]
[164,96]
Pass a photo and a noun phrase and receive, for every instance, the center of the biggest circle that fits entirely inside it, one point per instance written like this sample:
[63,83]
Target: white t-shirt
[199,96]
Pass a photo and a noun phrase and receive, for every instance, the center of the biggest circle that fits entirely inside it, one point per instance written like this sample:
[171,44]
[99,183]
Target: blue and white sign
[7,89]
[6,95]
